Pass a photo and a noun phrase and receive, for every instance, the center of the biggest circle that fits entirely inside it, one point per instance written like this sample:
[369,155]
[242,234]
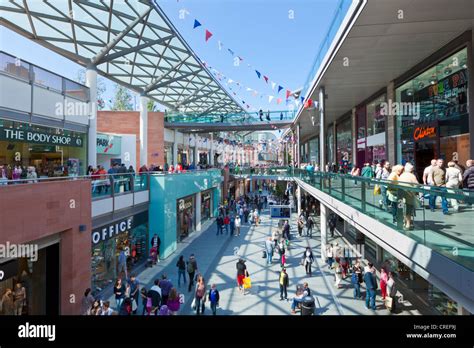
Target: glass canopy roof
[130,42]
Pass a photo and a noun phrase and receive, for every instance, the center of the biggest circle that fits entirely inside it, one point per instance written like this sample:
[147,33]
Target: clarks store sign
[424,132]
[35,137]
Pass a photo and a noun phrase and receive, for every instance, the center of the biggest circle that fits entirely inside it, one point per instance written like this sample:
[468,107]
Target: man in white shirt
[427,178]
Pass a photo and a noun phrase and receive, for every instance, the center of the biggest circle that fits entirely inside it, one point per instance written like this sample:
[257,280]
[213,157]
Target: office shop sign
[112,230]
[35,137]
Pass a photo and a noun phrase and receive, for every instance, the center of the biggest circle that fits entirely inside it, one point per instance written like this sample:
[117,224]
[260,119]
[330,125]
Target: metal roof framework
[132,43]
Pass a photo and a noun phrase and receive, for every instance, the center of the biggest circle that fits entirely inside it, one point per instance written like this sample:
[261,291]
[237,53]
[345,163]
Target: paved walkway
[217,256]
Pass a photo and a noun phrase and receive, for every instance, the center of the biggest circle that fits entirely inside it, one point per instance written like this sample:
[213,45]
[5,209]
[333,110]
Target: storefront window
[185,216]
[344,145]
[117,249]
[14,67]
[375,121]
[206,205]
[314,150]
[52,151]
[435,100]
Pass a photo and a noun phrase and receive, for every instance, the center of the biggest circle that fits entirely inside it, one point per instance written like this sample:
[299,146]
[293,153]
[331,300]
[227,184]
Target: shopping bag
[247,283]
[134,305]
[377,190]
[388,302]
[264,254]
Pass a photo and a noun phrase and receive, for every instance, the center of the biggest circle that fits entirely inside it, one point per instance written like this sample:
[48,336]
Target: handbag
[377,190]
[264,254]
[247,283]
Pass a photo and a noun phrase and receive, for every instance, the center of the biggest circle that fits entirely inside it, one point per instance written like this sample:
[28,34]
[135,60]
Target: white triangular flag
[219,44]
[230,81]
[270,98]
[273,85]
[249,89]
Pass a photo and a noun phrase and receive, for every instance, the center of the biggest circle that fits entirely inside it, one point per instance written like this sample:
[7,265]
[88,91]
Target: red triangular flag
[208,35]
[288,93]
[278,100]
[308,103]
[266,78]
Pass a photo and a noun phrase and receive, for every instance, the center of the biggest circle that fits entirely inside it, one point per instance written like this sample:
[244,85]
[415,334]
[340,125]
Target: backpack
[191,267]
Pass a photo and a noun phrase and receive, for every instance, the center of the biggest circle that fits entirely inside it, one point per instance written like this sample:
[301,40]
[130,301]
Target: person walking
[119,291]
[156,243]
[301,224]
[453,181]
[220,224]
[468,178]
[284,281]
[286,230]
[438,177]
[393,192]
[191,269]
[330,255]
[409,196]
[371,287]
[146,301]
[309,226]
[332,223]
[367,172]
[232,224]
[256,217]
[200,295]
[383,283]
[214,299]
[237,223]
[165,286]
[308,259]
[241,274]
[173,302]
[134,291]
[86,304]
[383,175]
[226,224]
[337,272]
[391,292]
[269,247]
[181,264]
[356,279]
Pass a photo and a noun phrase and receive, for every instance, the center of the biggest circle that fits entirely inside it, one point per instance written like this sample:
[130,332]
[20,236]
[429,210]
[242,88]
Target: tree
[101,87]
[122,99]
[151,105]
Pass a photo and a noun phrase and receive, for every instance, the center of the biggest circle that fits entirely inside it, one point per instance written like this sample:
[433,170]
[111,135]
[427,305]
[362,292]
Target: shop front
[52,151]
[185,217]
[314,150]
[344,145]
[118,248]
[169,160]
[206,205]
[38,275]
[203,157]
[434,122]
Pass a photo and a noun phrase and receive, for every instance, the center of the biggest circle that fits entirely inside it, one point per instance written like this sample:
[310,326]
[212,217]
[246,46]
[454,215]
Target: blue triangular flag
[231,52]
[302,99]
[196,24]
[258,73]
[279,88]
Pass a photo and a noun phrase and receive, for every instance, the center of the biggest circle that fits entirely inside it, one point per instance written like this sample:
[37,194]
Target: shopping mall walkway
[217,257]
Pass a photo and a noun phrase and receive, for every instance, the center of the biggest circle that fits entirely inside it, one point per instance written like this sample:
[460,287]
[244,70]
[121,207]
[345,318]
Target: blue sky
[280,38]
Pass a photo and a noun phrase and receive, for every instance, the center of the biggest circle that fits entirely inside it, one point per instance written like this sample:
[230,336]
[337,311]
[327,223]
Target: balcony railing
[109,185]
[234,118]
[449,234]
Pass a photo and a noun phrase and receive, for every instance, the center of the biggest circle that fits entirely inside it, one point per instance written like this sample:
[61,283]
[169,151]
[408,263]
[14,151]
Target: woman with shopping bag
[241,274]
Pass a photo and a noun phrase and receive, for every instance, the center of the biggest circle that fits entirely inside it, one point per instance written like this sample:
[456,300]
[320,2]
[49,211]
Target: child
[214,298]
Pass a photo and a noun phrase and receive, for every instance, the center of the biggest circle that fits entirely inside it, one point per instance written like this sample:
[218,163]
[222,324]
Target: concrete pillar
[391,126]
[175,147]
[298,148]
[197,210]
[196,150]
[323,226]
[322,133]
[354,138]
[298,199]
[143,130]
[91,82]
[211,152]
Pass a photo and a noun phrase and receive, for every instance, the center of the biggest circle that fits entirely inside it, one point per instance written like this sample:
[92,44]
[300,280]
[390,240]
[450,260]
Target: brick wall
[128,122]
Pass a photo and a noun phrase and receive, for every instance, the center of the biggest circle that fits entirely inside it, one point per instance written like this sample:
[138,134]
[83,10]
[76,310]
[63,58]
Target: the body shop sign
[36,137]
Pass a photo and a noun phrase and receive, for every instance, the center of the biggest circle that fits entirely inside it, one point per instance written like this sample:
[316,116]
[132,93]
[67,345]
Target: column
[143,130]
[391,122]
[298,199]
[175,148]
[470,91]
[354,137]
[322,133]
[197,212]
[323,226]
[298,148]
[91,82]
[196,150]
[211,152]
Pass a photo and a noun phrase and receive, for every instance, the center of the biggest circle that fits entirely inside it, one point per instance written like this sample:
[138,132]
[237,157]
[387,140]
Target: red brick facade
[128,122]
